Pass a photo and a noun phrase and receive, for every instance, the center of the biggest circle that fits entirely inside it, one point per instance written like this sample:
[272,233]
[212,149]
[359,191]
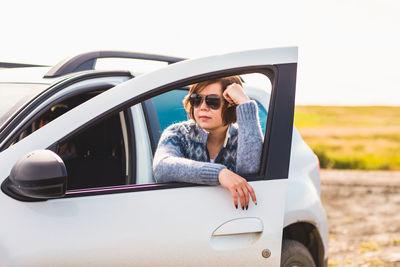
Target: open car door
[158,224]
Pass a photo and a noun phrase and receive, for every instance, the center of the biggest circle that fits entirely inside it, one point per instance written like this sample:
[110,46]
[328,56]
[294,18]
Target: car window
[102,155]
[169,107]
[54,112]
[98,155]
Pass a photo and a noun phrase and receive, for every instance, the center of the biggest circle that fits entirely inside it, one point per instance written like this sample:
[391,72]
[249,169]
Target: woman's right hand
[235,94]
[238,187]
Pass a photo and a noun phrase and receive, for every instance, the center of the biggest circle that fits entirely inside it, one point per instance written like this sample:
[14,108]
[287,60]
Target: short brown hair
[228,113]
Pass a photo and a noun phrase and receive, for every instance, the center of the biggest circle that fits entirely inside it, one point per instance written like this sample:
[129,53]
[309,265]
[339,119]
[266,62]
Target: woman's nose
[203,104]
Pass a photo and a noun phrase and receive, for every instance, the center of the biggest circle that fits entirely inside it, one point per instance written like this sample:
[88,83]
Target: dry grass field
[363,209]
[352,137]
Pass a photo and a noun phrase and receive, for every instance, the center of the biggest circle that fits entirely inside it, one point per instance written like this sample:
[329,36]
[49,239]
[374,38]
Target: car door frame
[278,134]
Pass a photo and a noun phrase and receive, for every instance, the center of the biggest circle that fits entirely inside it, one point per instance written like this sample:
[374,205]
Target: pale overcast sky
[348,50]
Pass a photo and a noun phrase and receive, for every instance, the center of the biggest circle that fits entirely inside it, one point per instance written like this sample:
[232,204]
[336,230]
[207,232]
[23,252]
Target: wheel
[295,254]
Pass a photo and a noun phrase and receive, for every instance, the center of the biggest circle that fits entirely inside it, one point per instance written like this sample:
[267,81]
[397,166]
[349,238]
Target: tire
[295,254]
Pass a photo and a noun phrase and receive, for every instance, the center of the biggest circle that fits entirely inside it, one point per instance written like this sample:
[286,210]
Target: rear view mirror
[38,175]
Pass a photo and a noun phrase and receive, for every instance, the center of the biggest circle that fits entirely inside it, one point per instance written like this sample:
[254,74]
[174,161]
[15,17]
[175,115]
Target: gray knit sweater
[182,154]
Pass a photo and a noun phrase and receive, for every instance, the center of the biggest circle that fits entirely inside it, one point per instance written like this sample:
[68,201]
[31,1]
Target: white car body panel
[304,205]
[164,226]
[31,75]
[120,229]
[144,161]
[303,197]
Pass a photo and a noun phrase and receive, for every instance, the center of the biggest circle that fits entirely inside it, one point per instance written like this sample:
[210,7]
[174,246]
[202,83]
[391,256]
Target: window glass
[169,107]
[54,112]
[257,80]
[96,157]
[262,113]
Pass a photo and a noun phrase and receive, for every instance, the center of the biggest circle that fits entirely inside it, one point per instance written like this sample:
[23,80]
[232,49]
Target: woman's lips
[204,118]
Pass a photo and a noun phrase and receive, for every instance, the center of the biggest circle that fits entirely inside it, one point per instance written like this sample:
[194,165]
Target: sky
[348,50]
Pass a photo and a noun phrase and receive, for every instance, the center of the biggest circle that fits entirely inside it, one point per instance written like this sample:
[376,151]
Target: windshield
[14,96]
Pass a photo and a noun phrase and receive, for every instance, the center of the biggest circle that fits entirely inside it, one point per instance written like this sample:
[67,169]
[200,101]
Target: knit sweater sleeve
[170,164]
[250,139]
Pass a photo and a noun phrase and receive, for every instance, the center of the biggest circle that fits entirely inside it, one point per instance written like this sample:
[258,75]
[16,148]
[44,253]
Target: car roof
[26,75]
[35,75]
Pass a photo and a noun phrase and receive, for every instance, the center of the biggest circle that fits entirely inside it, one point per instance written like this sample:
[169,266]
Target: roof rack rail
[10,65]
[87,61]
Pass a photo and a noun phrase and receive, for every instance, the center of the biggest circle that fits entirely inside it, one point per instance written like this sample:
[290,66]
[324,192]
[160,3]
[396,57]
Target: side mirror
[38,175]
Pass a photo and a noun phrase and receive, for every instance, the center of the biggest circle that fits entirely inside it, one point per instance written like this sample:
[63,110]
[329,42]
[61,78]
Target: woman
[210,148]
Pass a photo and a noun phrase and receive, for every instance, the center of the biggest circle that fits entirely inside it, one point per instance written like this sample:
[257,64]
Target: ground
[363,209]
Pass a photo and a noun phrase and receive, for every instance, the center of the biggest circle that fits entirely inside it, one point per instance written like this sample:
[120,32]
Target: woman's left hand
[235,94]
[238,186]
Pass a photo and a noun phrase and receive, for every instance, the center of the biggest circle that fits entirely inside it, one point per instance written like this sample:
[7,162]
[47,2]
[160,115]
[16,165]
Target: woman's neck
[217,136]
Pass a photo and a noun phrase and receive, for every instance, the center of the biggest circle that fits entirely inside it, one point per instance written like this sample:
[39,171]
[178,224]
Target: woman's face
[209,119]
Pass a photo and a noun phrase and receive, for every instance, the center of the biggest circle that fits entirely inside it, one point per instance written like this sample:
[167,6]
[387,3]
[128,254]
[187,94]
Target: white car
[76,150]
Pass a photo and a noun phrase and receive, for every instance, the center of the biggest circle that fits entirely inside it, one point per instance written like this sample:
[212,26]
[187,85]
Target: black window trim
[152,123]
[130,127]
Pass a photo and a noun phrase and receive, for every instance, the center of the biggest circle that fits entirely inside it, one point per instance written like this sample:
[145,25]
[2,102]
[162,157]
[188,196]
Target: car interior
[98,156]
[94,157]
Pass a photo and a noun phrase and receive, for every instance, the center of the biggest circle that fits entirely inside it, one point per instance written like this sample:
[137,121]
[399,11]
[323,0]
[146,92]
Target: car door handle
[240,226]
[237,233]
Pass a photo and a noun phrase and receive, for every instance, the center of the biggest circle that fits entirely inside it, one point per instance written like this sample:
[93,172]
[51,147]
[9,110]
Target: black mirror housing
[40,175]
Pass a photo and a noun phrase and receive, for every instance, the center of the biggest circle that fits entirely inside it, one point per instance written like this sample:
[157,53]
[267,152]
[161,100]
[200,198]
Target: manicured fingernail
[255,202]
[236,206]
[242,207]
[247,207]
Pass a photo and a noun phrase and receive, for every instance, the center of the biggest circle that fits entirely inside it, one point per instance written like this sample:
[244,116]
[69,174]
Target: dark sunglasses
[213,101]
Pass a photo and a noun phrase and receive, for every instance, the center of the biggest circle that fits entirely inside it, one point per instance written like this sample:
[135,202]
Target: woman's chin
[205,125]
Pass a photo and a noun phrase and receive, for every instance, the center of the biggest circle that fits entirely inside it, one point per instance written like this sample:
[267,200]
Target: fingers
[234,196]
[235,94]
[243,193]
[227,97]
[252,193]
[229,93]
[239,188]
[246,197]
[242,196]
